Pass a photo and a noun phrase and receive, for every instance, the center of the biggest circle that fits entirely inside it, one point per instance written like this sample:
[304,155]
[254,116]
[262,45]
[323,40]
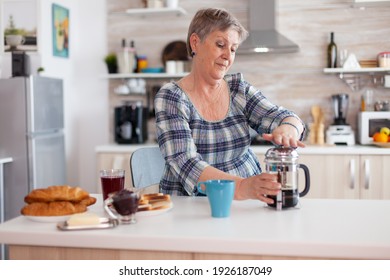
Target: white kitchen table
[323,229]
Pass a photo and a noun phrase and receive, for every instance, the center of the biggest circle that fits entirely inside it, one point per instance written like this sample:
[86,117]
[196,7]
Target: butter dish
[104,223]
[87,221]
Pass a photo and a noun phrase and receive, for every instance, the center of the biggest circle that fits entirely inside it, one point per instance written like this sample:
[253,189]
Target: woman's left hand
[284,135]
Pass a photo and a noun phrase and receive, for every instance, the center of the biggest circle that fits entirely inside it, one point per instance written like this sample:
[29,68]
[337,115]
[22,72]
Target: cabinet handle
[366,174]
[352,173]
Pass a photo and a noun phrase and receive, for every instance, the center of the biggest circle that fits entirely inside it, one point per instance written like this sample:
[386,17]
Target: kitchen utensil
[316,112]
[176,50]
[316,135]
[367,101]
[220,194]
[381,105]
[283,161]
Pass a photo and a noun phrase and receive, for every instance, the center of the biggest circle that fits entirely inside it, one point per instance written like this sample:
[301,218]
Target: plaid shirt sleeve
[262,115]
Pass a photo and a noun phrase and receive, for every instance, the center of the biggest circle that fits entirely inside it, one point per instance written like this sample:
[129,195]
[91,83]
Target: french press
[283,161]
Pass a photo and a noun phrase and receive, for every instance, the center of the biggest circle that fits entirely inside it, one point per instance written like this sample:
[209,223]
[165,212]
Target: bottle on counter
[332,52]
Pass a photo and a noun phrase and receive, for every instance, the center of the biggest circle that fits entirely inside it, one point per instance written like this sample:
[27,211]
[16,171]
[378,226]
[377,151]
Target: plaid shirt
[190,143]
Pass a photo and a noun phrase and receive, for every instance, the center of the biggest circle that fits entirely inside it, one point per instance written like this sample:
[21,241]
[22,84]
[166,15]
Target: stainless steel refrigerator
[31,133]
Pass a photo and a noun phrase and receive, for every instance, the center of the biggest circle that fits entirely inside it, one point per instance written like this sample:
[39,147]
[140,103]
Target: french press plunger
[283,161]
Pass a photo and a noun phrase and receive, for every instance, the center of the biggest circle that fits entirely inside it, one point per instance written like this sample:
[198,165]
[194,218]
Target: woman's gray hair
[208,20]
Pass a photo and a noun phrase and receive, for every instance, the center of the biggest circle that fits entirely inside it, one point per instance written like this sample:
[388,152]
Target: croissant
[57,193]
[88,201]
[58,208]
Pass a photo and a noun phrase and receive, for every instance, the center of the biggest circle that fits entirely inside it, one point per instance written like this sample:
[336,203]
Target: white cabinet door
[374,177]
[331,176]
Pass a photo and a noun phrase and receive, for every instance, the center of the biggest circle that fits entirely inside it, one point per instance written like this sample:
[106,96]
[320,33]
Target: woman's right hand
[258,187]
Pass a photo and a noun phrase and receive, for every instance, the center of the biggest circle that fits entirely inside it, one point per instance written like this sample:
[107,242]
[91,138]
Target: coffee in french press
[284,162]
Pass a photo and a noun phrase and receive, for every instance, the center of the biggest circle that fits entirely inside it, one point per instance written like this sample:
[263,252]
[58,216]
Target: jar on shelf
[384,59]
[155,4]
[142,63]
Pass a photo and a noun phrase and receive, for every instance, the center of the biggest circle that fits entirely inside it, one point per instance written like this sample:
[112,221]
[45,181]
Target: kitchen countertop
[309,149]
[346,229]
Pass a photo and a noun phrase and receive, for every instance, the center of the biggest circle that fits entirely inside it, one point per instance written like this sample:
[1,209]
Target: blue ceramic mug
[220,194]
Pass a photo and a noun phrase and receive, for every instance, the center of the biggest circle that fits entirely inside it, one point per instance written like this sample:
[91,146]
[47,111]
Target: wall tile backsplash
[293,80]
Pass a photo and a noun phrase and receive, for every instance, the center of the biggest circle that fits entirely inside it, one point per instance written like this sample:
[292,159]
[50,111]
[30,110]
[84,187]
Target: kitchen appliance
[340,133]
[31,133]
[369,123]
[263,35]
[131,121]
[284,162]
[20,64]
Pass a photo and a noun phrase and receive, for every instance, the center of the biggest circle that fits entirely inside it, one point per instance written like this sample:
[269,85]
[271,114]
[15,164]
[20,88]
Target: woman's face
[216,54]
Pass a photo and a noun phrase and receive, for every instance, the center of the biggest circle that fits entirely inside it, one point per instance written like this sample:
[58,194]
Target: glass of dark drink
[125,204]
[112,180]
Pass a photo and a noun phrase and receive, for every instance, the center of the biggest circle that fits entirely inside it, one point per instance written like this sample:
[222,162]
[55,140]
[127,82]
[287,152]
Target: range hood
[263,36]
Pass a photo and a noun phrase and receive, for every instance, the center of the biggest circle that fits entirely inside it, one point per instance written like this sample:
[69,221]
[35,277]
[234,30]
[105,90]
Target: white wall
[85,92]
[86,110]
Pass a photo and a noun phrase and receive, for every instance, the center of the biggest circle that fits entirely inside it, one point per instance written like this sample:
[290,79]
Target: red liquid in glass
[112,184]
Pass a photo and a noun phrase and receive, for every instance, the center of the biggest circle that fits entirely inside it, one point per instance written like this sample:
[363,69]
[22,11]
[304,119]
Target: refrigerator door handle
[2,193]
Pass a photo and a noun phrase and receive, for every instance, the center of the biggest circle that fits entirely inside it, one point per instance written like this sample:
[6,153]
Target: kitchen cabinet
[332,176]
[374,177]
[345,176]
[348,176]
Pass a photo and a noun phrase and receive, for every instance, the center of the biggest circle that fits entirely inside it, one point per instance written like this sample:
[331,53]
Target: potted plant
[14,36]
[40,70]
[112,63]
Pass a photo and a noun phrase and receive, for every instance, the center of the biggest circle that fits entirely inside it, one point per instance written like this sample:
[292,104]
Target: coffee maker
[131,123]
[340,133]
[283,161]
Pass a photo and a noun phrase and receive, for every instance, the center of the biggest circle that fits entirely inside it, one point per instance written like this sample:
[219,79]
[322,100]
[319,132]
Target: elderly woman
[203,121]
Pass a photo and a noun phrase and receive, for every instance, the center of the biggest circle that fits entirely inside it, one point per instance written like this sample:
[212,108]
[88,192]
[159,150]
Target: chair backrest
[147,166]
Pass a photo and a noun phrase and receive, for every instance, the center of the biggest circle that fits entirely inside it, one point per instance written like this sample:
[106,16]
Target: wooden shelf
[378,70]
[145,76]
[359,78]
[152,11]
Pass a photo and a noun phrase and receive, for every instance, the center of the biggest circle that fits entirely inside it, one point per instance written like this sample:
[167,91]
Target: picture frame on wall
[60,31]
[19,25]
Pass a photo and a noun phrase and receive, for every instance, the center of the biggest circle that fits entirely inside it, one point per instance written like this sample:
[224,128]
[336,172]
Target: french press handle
[307,179]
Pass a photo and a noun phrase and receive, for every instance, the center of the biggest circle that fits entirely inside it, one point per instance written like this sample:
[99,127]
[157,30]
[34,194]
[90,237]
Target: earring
[193,53]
